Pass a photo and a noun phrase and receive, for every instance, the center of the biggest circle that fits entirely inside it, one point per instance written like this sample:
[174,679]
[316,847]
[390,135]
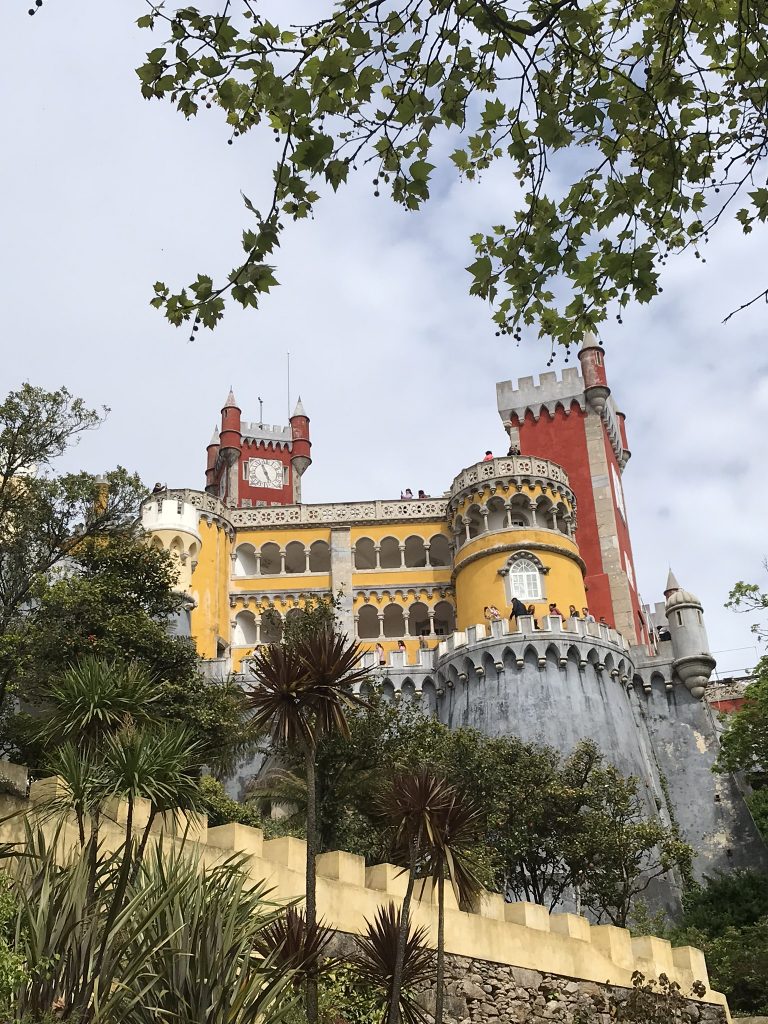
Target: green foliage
[116,602]
[735,899]
[222,809]
[744,745]
[629,130]
[45,516]
[547,820]
[174,939]
[13,968]
[758,806]
[727,918]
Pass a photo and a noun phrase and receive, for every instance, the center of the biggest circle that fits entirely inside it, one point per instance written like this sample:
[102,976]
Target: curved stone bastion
[520,935]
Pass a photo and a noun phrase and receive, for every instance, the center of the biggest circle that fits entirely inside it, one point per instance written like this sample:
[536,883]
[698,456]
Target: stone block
[532,915]
[689,958]
[344,867]
[44,790]
[526,978]
[237,838]
[192,828]
[570,924]
[288,851]
[615,943]
[492,905]
[387,878]
[116,811]
[657,951]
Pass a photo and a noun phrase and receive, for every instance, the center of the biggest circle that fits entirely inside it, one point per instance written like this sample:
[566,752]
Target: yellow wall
[210,589]
[478,582]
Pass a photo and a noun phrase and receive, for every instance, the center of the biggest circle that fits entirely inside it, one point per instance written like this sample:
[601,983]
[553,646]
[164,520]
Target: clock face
[265,473]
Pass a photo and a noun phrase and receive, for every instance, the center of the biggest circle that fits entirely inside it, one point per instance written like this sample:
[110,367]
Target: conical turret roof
[231,400]
[299,410]
[215,437]
[672,583]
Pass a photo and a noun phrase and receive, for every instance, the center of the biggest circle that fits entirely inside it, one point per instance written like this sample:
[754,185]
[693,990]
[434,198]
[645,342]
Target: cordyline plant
[301,693]
[414,804]
[630,129]
[379,955]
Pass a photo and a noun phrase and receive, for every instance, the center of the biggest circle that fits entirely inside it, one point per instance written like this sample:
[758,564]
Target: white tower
[693,662]
[172,525]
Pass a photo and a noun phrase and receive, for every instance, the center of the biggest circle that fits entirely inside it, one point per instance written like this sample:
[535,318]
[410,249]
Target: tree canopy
[631,130]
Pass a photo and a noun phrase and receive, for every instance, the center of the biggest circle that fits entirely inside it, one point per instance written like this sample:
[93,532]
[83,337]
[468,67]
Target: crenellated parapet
[523,935]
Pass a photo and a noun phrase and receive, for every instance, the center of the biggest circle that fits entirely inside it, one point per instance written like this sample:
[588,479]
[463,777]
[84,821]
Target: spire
[299,410]
[590,339]
[231,400]
[215,437]
[672,583]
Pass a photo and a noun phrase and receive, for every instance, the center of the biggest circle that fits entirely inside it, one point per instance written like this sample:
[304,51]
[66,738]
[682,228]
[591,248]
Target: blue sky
[103,193]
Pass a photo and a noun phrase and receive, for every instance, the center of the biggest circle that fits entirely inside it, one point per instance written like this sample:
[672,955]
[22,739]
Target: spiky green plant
[302,692]
[413,804]
[295,946]
[377,961]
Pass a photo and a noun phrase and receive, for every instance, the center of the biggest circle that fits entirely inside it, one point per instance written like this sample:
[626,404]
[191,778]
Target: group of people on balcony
[518,609]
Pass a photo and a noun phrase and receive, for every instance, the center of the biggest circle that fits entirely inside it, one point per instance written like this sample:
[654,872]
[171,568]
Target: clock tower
[251,465]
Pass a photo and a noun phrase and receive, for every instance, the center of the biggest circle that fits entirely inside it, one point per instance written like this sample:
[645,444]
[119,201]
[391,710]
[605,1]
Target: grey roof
[231,400]
[299,410]
[215,437]
[672,583]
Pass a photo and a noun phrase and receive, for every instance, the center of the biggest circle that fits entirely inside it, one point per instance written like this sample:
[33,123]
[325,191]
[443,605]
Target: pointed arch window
[524,580]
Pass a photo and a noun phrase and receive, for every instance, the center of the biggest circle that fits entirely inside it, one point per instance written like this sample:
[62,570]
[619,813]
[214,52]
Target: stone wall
[501,935]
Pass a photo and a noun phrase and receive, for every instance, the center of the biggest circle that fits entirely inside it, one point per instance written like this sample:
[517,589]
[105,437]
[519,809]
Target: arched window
[368,622]
[270,559]
[476,522]
[365,554]
[295,557]
[497,514]
[444,618]
[319,557]
[525,580]
[394,623]
[389,554]
[271,626]
[245,560]
[244,633]
[415,553]
[439,550]
[418,623]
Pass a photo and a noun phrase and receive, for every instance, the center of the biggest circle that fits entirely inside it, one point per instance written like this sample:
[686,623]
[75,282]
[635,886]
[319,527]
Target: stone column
[553,513]
[426,553]
[484,514]
[533,509]
[406,622]
[401,545]
[257,556]
[377,556]
[257,620]
[381,624]
[341,575]
[282,561]
[466,521]
[431,613]
[508,514]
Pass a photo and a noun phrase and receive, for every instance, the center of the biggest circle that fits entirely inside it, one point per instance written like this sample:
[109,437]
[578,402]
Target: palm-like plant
[301,693]
[295,947]
[94,698]
[414,804]
[376,963]
[181,945]
[457,830]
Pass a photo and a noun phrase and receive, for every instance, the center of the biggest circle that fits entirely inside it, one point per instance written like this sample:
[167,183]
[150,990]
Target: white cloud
[103,193]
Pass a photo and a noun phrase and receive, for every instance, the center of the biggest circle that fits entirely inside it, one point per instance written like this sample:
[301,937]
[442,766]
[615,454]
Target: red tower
[575,423]
[255,464]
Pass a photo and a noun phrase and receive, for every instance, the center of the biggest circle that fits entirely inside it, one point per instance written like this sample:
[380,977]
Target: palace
[545,523]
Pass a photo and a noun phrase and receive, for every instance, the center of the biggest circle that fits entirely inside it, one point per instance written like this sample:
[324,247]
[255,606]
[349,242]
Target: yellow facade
[409,572]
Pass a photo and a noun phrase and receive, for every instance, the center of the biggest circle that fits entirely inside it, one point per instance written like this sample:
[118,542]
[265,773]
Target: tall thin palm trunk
[311,900]
[393,1016]
[440,979]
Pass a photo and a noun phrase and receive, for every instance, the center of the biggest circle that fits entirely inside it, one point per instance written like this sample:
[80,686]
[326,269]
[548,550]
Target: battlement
[516,399]
[265,432]
[169,513]
[523,935]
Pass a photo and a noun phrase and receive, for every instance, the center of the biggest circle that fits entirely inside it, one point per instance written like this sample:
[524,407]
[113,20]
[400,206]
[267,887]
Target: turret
[693,662]
[300,446]
[592,362]
[212,452]
[230,441]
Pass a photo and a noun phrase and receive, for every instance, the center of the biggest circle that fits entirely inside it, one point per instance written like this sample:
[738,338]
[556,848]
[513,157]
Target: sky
[102,193]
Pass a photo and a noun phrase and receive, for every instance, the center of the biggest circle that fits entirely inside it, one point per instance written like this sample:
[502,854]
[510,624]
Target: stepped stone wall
[496,937]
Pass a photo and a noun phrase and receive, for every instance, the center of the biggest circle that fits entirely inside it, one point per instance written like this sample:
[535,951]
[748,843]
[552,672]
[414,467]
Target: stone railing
[524,467]
[523,935]
[348,512]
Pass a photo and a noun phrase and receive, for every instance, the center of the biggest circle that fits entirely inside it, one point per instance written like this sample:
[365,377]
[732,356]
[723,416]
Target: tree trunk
[393,1017]
[440,987]
[311,900]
